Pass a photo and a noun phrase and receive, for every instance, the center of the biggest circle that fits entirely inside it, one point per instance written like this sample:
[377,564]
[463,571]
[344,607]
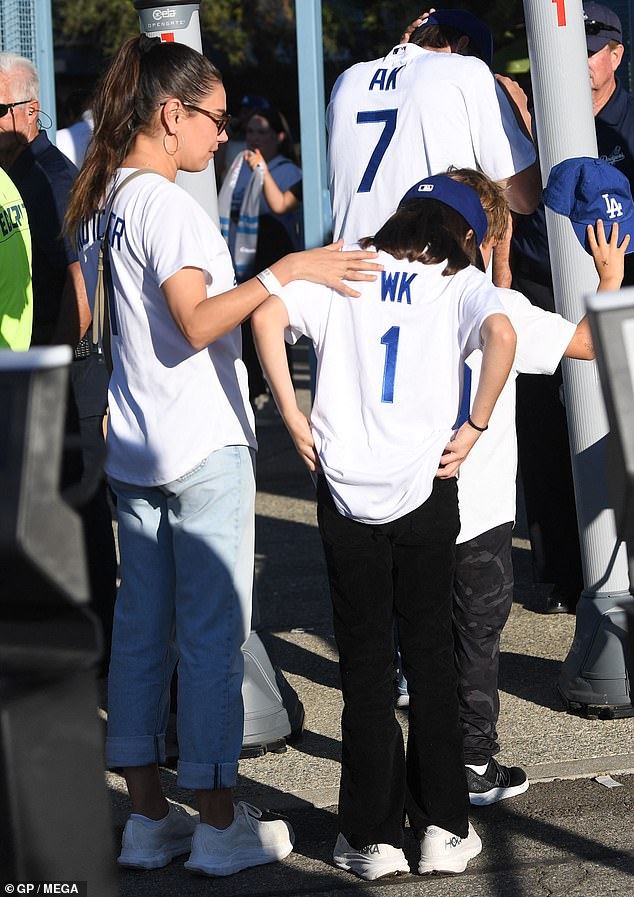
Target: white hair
[24,81]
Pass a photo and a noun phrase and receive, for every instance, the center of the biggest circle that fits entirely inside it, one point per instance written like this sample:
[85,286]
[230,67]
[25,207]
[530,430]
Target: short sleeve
[500,146]
[542,336]
[178,234]
[478,301]
[308,305]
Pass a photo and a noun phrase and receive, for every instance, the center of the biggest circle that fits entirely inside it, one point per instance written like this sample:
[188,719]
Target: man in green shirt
[16,294]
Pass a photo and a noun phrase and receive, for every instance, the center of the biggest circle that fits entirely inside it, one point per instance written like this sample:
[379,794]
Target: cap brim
[596,42]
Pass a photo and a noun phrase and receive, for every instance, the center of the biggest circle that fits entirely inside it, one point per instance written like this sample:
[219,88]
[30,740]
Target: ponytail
[144,72]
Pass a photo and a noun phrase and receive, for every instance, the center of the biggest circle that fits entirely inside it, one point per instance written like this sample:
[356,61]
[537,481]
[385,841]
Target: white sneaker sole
[496,794]
[154,859]
[242,860]
[371,871]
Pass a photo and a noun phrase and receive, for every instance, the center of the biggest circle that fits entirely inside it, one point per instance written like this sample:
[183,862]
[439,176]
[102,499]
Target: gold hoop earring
[177,147]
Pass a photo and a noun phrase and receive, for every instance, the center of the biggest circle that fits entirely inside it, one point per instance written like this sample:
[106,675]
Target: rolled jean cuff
[207,776]
[138,750]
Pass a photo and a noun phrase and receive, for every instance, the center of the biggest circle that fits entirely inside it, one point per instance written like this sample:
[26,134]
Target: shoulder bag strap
[101,310]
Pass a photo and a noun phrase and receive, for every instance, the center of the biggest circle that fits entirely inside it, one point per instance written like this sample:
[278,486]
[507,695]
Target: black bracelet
[475,426]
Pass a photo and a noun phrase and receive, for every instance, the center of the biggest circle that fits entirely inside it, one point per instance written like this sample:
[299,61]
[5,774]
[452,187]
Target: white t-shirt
[73,141]
[170,405]
[486,482]
[397,120]
[389,372]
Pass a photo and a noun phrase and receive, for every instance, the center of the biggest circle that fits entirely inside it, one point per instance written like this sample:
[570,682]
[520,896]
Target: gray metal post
[312,110]
[565,128]
[310,64]
[180,21]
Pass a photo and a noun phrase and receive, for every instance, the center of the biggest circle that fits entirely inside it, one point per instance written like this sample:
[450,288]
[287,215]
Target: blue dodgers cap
[457,196]
[478,33]
[602,25]
[584,190]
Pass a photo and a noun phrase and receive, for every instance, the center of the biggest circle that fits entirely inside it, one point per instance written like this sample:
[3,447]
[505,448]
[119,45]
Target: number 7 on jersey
[381,115]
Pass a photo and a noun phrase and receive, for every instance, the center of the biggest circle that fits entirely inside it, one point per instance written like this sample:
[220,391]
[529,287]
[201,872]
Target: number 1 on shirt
[390,341]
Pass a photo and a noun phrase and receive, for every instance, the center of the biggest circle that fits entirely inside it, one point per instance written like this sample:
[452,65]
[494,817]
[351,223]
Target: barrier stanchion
[54,810]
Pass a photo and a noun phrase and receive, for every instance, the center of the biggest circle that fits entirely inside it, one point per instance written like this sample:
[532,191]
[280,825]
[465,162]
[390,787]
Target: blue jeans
[187,551]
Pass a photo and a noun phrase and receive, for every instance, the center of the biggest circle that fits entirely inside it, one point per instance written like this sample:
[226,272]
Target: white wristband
[270,282]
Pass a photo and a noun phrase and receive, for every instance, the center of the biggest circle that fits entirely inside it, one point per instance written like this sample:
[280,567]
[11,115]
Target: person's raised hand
[255,158]
[608,256]
[411,28]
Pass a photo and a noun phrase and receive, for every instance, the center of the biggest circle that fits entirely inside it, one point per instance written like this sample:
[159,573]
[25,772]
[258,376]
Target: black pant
[546,468]
[89,382]
[401,570]
[482,599]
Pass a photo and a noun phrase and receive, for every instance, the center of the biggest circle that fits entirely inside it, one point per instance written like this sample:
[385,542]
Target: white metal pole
[565,128]
[594,673]
[179,21]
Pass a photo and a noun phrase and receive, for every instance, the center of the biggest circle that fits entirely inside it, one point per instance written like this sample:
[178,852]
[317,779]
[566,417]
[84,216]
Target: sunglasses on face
[220,121]
[594,27]
[4,107]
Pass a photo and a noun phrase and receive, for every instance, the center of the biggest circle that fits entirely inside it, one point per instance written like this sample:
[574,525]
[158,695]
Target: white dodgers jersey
[389,373]
[397,120]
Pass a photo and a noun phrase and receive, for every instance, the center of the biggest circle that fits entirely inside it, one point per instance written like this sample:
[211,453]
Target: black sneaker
[496,783]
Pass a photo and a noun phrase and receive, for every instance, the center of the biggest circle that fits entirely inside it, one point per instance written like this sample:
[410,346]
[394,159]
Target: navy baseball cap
[478,33]
[585,190]
[602,25]
[253,101]
[457,196]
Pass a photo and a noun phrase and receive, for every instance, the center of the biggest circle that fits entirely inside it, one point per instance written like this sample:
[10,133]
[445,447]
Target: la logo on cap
[613,208]
[425,188]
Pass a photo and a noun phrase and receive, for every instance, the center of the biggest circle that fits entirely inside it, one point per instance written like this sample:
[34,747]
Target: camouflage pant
[483,594]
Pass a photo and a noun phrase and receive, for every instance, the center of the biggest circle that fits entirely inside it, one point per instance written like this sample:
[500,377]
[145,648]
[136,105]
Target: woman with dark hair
[180,451]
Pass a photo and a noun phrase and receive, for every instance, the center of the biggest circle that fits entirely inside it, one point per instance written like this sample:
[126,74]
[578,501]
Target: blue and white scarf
[246,236]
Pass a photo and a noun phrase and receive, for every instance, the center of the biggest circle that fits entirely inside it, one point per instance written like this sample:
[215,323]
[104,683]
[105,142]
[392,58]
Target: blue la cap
[584,190]
[477,32]
[460,197]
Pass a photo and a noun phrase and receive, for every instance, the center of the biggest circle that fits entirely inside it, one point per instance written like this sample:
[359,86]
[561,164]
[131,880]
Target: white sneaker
[152,846]
[442,851]
[248,841]
[372,861]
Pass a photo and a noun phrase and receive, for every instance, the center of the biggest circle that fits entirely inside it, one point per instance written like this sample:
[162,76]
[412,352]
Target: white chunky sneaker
[248,841]
[442,851]
[150,846]
[372,861]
